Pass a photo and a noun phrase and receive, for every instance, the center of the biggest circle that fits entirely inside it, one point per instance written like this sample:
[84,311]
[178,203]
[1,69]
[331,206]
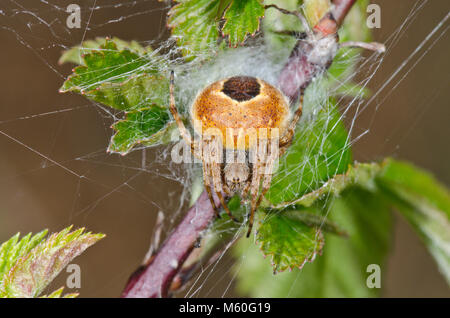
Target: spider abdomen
[240,103]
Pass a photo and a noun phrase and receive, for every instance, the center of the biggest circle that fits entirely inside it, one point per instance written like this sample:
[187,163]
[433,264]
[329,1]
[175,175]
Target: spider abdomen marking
[241,103]
[241,88]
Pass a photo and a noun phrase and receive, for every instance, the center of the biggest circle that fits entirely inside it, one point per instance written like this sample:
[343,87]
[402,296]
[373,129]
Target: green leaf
[361,174]
[358,201]
[223,5]
[195,26]
[340,270]
[343,270]
[75,54]
[241,18]
[57,294]
[107,64]
[13,249]
[320,150]
[34,271]
[143,126]
[424,203]
[288,241]
[311,216]
[139,91]
[293,236]
[118,77]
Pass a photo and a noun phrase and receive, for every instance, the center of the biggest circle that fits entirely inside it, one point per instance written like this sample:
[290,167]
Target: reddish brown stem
[340,10]
[298,71]
[154,278]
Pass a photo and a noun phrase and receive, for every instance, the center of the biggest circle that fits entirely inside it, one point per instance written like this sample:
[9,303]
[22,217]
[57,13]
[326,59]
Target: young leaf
[13,249]
[288,241]
[34,271]
[315,10]
[75,54]
[107,64]
[143,126]
[116,76]
[276,22]
[195,26]
[57,294]
[138,91]
[223,5]
[354,27]
[241,18]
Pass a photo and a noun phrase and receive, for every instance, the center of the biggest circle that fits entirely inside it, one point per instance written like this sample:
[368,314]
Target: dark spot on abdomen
[241,88]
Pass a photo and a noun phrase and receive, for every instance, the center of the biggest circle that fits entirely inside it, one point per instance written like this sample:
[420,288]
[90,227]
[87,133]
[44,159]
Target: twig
[188,270]
[154,279]
[340,9]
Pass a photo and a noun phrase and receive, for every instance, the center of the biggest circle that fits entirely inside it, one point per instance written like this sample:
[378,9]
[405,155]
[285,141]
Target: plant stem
[340,9]
[154,278]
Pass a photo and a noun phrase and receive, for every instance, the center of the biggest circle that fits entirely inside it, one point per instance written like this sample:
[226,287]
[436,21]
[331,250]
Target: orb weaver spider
[247,103]
[252,114]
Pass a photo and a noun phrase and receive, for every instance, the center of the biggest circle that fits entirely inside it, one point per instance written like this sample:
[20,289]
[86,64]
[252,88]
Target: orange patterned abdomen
[243,104]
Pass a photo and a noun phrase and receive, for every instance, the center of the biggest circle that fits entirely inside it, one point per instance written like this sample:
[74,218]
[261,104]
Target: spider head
[236,176]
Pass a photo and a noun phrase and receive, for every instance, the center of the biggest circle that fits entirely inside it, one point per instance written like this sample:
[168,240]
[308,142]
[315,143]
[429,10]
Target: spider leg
[254,190]
[266,180]
[218,189]
[286,139]
[216,172]
[283,150]
[176,116]
[244,192]
[266,173]
[268,170]
[226,189]
[206,180]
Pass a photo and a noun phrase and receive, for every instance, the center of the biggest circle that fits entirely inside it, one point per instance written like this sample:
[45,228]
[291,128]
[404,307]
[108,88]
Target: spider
[239,118]
[248,106]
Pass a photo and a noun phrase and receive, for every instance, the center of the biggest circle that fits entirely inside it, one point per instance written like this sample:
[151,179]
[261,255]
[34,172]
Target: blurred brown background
[116,196]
